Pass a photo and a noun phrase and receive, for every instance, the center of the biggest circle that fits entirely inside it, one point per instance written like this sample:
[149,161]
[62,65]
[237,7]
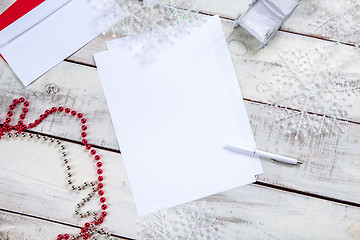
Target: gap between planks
[259,183]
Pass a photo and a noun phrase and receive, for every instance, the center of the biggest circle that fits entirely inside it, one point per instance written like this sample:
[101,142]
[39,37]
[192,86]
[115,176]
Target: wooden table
[318,200]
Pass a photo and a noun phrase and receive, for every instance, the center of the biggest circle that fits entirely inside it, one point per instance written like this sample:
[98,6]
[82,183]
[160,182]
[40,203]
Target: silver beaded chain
[73,187]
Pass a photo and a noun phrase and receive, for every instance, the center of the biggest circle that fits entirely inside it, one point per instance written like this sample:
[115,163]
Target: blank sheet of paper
[172,117]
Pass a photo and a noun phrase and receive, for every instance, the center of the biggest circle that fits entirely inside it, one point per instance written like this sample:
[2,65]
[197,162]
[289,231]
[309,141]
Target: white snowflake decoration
[319,94]
[193,223]
[344,27]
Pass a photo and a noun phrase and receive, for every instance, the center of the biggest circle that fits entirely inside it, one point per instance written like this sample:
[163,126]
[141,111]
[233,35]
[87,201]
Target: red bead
[17,127]
[67,110]
[15,101]
[95,223]
[88,146]
[60,109]
[87,225]
[101,192]
[73,113]
[97,157]
[99,164]
[66,236]
[100,178]
[100,220]
[100,185]
[103,207]
[42,117]
[7,120]
[24,127]
[84,127]
[53,109]
[99,171]
[83,230]
[37,122]
[20,123]
[60,237]
[47,112]
[84,141]
[79,115]
[85,236]
[22,116]
[31,125]
[26,104]
[11,107]
[25,110]
[21,99]
[103,214]
[83,134]
[102,199]
[83,120]
[93,152]
[10,113]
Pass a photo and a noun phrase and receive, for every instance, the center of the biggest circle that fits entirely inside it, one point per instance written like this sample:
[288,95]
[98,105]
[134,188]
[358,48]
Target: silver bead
[62,147]
[95,219]
[94,238]
[73,187]
[94,213]
[88,213]
[23,134]
[68,167]
[58,142]
[51,140]
[45,138]
[76,212]
[81,215]
[78,205]
[65,160]
[31,136]
[69,174]
[64,154]
[73,238]
[91,195]
[94,189]
[37,136]
[69,182]
[9,135]
[92,225]
[80,188]
[16,135]
[92,184]
[84,200]
[108,234]
[86,184]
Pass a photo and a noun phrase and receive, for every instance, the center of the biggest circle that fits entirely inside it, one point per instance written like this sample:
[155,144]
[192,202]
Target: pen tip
[299,162]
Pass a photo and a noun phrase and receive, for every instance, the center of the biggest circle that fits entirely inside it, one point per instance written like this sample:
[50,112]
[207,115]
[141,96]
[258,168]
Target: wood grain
[304,20]
[34,184]
[16,226]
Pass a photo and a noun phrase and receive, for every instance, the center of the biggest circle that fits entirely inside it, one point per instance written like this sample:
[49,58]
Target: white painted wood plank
[304,20]
[330,167]
[31,182]
[16,226]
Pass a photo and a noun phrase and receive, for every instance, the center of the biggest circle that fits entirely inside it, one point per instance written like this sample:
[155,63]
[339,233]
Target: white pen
[259,153]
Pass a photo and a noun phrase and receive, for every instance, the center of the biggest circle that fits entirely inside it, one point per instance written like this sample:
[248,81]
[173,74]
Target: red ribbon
[16,11]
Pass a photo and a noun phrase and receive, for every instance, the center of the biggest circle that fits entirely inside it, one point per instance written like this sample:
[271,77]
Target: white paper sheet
[173,116]
[43,46]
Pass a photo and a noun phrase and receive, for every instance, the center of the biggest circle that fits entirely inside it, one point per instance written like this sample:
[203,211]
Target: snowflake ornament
[319,94]
[344,27]
[180,223]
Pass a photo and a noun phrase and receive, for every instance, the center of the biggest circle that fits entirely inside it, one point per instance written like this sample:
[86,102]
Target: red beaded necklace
[90,229]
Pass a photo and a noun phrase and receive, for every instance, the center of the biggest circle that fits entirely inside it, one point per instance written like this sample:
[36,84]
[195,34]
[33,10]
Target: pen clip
[298,163]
